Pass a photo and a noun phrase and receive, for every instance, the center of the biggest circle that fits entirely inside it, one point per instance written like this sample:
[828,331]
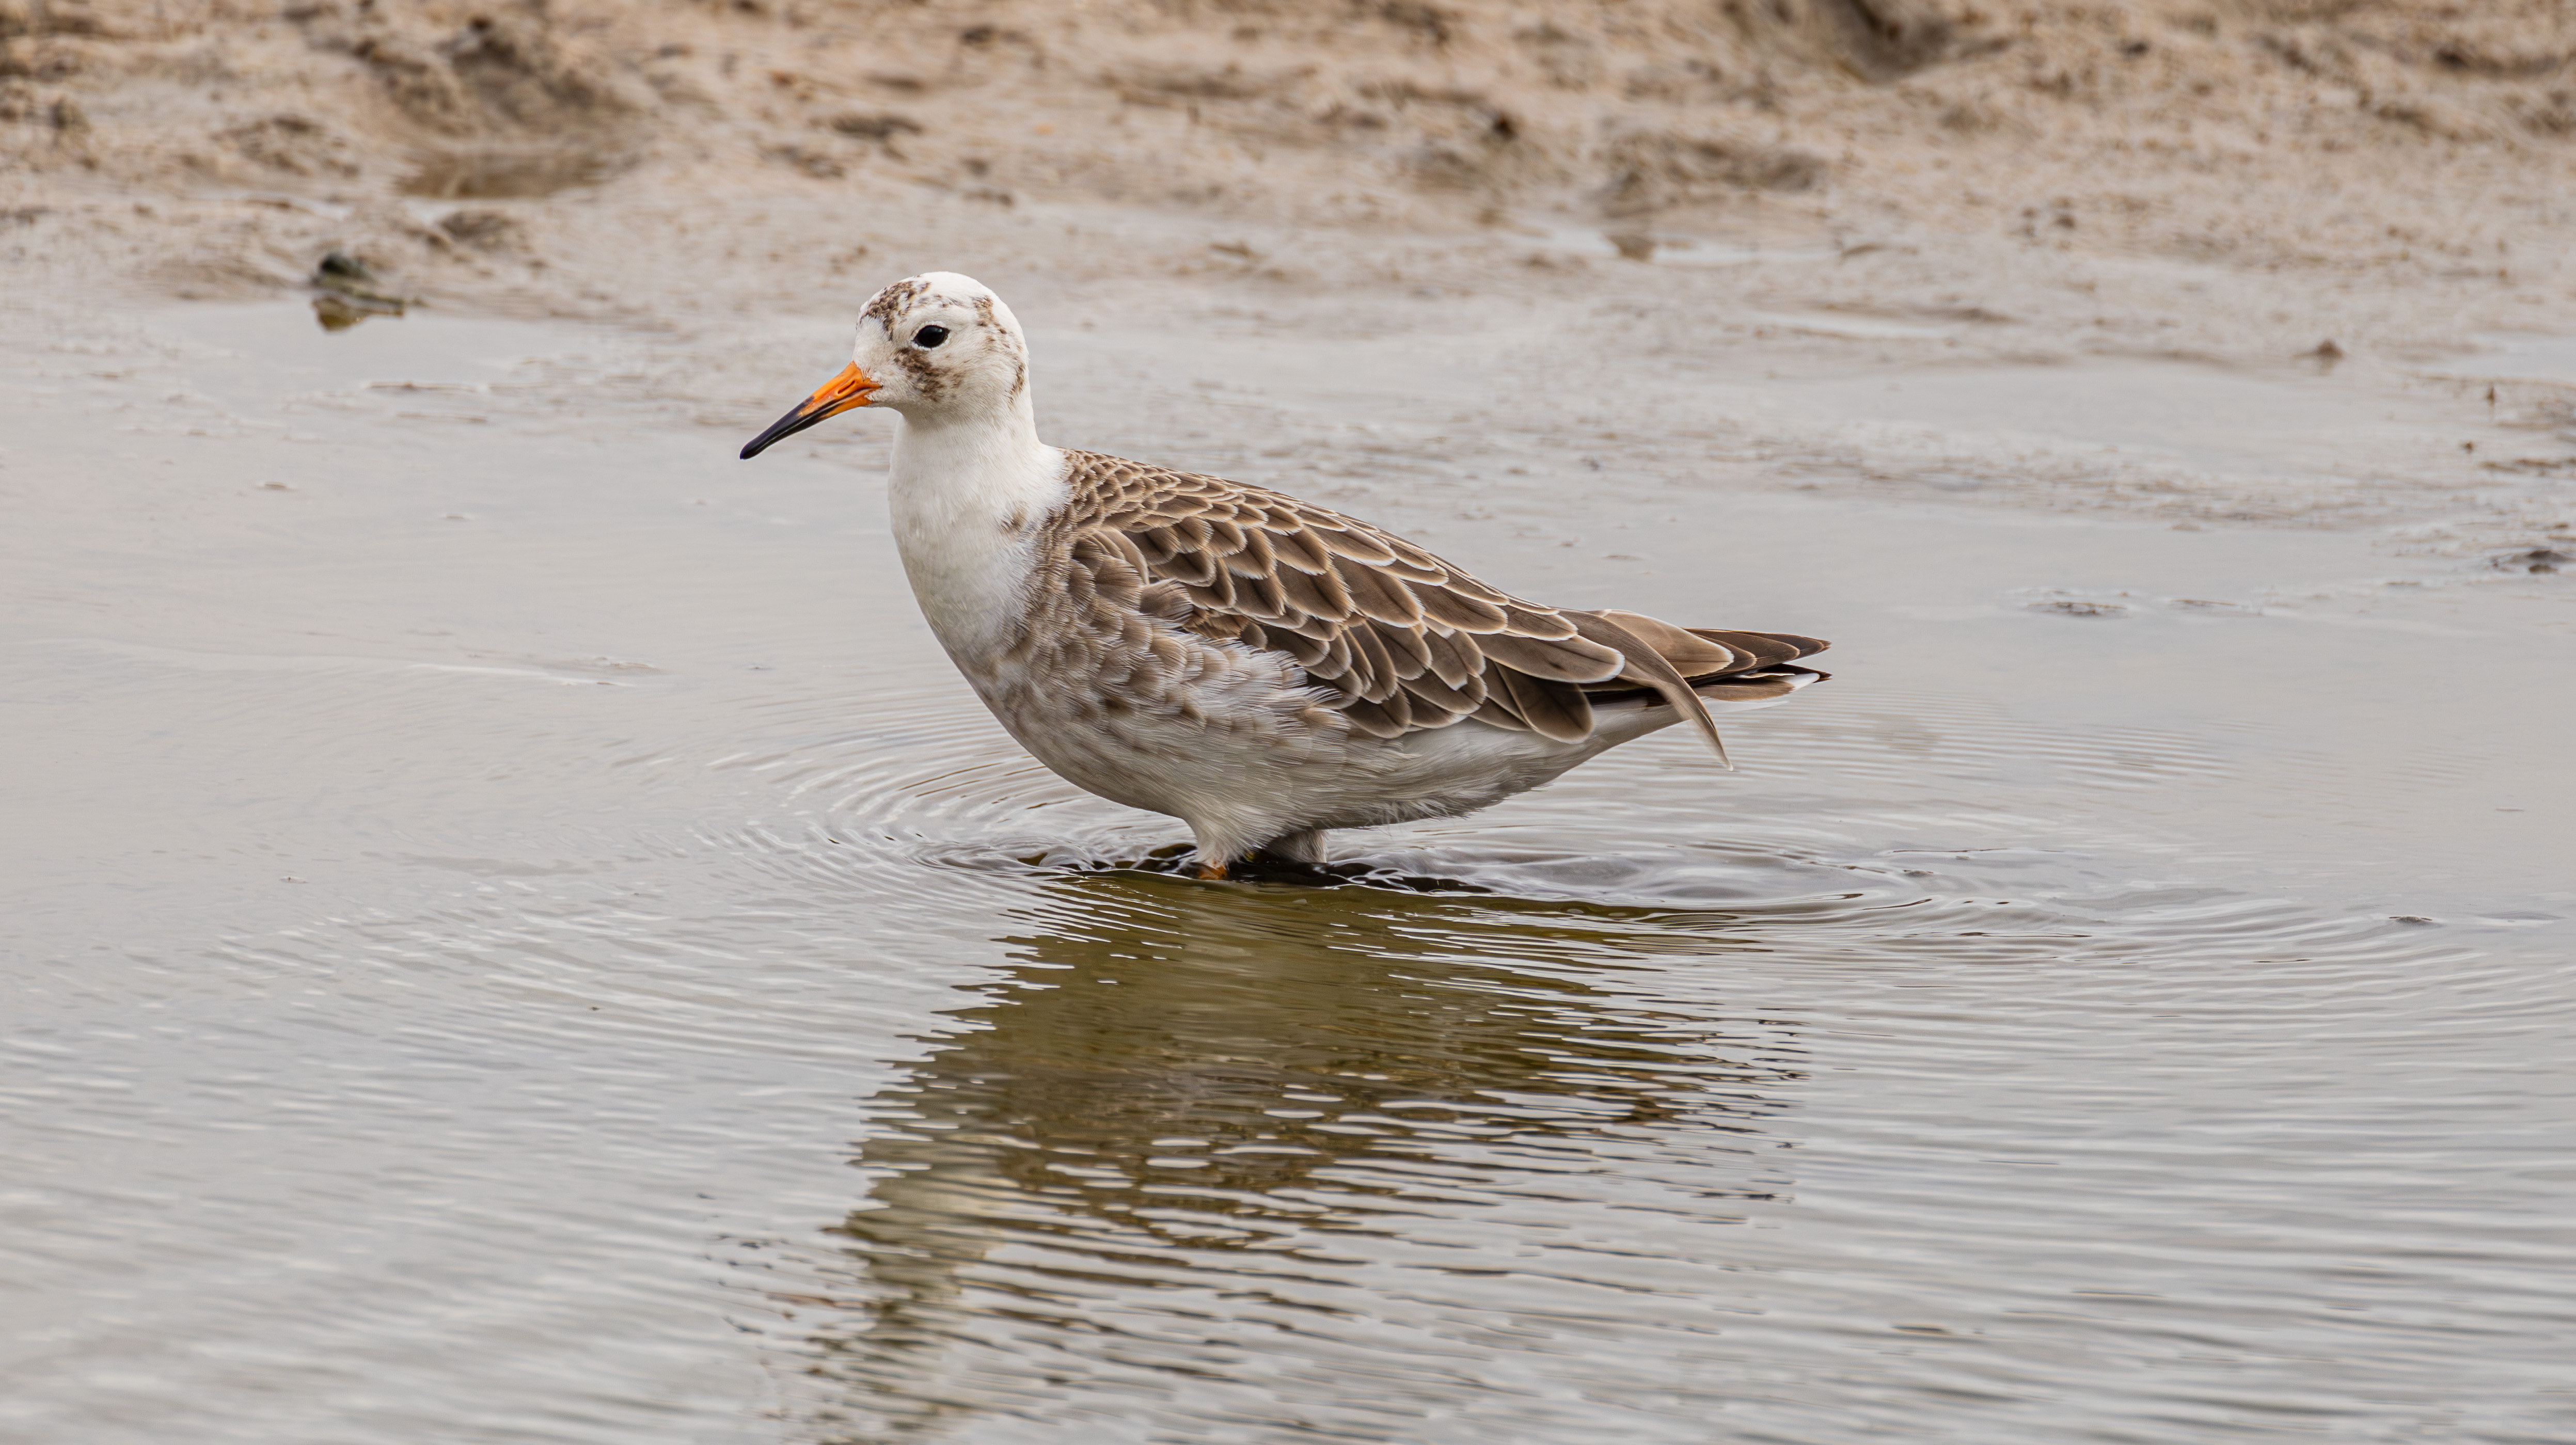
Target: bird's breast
[973,590]
[968,529]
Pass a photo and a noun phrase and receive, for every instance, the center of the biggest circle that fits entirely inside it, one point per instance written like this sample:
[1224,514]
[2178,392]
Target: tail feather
[1770,649]
[1692,653]
[1648,667]
[1753,689]
[1692,668]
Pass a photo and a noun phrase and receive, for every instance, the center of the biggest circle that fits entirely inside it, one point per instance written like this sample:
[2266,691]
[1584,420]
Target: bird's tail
[1693,667]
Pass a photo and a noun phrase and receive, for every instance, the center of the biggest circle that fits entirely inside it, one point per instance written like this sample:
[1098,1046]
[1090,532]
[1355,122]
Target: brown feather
[1222,627]
[1692,654]
[1297,547]
[1413,564]
[1259,594]
[1369,660]
[1307,650]
[1115,586]
[1381,596]
[1553,710]
[1433,696]
[1372,718]
[1190,566]
[1317,594]
[1754,686]
[1217,591]
[1648,666]
[1454,660]
[1255,558]
[1351,543]
[1455,609]
[1532,621]
[1156,543]
[1771,648]
[1398,706]
[1406,648]
[1572,660]
[1338,661]
[1402,640]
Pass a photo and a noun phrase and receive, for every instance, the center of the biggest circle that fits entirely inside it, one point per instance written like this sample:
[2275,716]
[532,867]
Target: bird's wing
[1405,640]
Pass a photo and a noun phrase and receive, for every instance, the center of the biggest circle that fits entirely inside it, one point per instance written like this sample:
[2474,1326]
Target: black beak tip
[788,425]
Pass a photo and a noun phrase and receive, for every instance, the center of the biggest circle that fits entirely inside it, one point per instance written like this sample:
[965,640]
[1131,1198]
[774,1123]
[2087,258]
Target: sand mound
[2422,142]
[1326,109]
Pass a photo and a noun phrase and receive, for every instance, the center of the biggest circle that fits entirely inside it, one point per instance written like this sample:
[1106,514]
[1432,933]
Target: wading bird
[1257,666]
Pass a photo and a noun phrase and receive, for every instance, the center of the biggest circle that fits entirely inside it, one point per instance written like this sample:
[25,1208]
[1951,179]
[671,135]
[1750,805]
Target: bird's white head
[935,347]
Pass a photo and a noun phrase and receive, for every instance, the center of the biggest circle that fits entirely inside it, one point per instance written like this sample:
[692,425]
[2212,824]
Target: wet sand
[2238,179]
[514,931]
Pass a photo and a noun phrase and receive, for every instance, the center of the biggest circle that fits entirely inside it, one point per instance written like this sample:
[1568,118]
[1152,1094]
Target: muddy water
[516,934]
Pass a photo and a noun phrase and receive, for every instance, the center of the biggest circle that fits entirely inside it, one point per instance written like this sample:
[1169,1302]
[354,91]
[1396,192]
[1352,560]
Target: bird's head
[933,346]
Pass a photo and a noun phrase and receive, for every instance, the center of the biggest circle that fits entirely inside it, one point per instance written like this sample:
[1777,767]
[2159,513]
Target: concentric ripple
[526,939]
[1801,1131]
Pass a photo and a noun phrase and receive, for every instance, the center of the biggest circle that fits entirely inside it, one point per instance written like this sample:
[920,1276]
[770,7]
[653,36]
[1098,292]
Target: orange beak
[851,388]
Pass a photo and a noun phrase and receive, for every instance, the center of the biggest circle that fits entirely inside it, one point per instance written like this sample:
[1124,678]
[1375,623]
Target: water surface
[517,934]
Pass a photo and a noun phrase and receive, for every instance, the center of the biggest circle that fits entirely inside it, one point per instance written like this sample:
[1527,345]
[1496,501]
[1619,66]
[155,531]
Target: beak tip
[851,388]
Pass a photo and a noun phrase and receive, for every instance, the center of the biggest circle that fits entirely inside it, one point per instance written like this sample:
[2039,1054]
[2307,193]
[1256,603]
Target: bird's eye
[929,336]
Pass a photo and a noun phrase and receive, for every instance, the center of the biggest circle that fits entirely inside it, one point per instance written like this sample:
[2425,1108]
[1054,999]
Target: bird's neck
[968,493]
[961,465]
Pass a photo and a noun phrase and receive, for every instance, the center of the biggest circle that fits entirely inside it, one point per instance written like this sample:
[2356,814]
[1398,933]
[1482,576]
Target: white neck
[967,492]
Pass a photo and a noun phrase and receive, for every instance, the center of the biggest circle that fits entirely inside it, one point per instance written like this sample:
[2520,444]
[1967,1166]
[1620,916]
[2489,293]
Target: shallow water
[516,934]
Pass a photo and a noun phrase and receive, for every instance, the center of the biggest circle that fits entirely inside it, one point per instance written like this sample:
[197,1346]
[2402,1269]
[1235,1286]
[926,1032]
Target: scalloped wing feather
[1403,639]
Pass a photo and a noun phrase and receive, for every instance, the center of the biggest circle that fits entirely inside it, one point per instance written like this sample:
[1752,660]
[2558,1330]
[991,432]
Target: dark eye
[929,336]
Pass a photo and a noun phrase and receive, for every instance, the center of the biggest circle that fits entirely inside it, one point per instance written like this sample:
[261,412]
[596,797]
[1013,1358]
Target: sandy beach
[2368,188]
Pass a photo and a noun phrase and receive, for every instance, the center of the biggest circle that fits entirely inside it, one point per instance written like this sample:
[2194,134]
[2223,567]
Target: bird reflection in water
[1209,1148]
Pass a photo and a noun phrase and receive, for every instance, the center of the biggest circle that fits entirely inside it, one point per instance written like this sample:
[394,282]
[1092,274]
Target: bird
[1258,666]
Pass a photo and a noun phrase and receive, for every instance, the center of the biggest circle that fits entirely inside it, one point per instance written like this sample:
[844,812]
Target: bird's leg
[1219,849]
[1305,847]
